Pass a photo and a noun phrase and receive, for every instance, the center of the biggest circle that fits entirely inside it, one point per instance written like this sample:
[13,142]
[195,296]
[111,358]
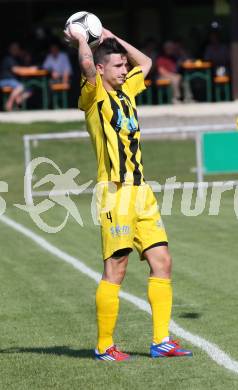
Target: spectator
[10,65]
[182,55]
[58,64]
[167,68]
[217,52]
[27,59]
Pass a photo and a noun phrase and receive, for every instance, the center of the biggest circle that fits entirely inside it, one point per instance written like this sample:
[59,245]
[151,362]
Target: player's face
[114,70]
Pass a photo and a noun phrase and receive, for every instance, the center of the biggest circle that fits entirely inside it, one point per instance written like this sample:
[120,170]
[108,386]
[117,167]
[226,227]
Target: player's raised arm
[86,62]
[135,56]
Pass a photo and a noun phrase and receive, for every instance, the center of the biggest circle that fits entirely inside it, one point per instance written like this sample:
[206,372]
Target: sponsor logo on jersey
[120,230]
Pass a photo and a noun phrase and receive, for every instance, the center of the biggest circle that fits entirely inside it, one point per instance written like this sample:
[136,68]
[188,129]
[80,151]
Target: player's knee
[120,273]
[161,263]
[115,269]
[120,267]
[166,262]
[115,276]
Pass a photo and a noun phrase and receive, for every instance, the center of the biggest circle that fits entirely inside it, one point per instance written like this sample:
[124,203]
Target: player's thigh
[150,231]
[117,224]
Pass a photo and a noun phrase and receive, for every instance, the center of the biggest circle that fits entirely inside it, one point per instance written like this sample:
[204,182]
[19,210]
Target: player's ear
[100,69]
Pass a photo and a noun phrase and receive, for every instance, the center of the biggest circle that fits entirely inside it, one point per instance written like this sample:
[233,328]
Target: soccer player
[107,95]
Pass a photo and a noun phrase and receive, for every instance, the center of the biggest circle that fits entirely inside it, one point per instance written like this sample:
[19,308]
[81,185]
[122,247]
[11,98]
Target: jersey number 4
[109,216]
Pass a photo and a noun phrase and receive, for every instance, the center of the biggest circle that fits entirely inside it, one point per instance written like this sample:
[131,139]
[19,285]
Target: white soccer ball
[86,24]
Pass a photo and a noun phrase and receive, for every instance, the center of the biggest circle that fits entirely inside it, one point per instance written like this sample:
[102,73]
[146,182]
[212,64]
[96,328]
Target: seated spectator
[58,64]
[181,54]
[27,59]
[167,69]
[217,52]
[10,65]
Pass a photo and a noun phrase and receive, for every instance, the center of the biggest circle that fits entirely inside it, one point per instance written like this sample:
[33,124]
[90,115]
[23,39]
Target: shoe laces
[176,342]
[114,351]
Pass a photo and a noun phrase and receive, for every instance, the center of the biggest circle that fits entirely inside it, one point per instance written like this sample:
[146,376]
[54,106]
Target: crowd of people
[167,63]
[17,59]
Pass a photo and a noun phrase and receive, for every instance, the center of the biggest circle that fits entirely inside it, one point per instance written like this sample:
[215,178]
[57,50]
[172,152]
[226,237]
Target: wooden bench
[164,91]
[222,87]
[60,95]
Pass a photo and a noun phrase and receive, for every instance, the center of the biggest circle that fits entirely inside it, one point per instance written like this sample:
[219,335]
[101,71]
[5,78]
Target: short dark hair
[107,47]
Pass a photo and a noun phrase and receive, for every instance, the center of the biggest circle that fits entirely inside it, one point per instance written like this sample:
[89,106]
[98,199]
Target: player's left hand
[106,34]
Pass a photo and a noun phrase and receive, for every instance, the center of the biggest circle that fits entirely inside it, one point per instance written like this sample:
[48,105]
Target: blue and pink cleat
[170,348]
[111,354]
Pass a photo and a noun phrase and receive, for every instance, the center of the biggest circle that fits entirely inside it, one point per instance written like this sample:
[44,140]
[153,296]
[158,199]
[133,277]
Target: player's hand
[72,35]
[106,34]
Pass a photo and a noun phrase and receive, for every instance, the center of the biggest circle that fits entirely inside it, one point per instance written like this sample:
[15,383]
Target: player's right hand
[72,34]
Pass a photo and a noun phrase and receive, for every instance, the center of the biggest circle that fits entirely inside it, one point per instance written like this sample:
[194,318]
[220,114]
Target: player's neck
[109,87]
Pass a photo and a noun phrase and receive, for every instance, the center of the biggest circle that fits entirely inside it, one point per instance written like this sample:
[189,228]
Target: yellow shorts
[129,218]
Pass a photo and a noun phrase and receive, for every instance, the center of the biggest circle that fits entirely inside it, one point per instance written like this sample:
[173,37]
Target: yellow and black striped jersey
[112,123]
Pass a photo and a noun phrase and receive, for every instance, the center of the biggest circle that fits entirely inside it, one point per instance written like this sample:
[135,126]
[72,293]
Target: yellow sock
[107,304]
[160,299]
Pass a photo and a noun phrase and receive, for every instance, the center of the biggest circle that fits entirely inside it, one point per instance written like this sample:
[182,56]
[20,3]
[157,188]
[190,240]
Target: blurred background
[172,33]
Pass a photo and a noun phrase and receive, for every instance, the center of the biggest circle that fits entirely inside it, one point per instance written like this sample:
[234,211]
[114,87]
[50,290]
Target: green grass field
[47,315]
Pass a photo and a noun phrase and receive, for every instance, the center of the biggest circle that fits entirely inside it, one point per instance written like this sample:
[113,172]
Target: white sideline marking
[213,351]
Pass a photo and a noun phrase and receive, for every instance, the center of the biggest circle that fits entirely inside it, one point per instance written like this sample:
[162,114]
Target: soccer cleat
[111,354]
[168,349]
